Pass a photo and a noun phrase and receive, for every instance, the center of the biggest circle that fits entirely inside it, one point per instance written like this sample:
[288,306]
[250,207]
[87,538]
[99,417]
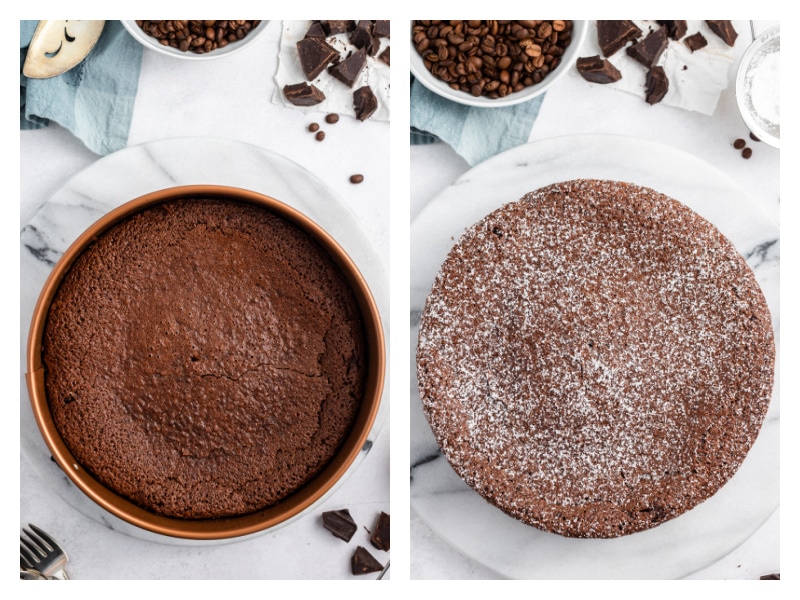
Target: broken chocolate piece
[347,71]
[381,29]
[365,103]
[613,35]
[336,27]
[363,562]
[339,523]
[725,31]
[675,29]
[648,50]
[771,577]
[384,56]
[598,70]
[380,533]
[315,30]
[315,54]
[696,41]
[656,85]
[302,94]
[361,36]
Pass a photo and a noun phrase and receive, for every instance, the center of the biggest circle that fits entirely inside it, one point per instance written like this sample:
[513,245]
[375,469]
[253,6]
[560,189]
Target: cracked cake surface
[204,358]
[595,359]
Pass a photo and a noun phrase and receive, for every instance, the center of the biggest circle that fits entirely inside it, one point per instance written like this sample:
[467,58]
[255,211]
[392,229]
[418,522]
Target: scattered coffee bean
[754,137]
[332,118]
[320,136]
[339,523]
[358,178]
[771,577]
[363,562]
[747,153]
[739,144]
[313,127]
[380,533]
[197,37]
[491,58]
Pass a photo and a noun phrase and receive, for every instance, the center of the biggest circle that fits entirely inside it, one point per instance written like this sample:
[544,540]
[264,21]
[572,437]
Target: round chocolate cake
[204,358]
[595,359]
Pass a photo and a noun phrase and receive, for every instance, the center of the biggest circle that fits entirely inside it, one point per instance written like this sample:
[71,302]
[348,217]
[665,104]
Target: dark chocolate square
[647,51]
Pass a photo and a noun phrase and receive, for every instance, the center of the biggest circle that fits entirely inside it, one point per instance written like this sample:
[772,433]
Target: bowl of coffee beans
[196,40]
[493,63]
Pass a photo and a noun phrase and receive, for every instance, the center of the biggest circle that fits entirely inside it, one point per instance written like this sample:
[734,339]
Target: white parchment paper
[696,79]
[338,96]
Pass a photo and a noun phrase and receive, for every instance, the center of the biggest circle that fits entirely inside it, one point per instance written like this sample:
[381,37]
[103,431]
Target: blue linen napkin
[94,100]
[474,133]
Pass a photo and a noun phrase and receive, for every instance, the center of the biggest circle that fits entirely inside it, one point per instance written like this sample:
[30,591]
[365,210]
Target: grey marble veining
[676,548]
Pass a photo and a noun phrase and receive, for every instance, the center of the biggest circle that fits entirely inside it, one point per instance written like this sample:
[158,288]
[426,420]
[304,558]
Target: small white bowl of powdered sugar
[758,87]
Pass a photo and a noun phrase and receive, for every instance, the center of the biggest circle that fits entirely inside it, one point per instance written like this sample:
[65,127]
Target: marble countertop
[210,122]
[576,108]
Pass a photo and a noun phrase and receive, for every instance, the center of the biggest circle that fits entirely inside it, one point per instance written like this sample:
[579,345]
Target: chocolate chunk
[380,533]
[365,103]
[381,29]
[613,35]
[725,31]
[656,85]
[648,50]
[347,71]
[598,70]
[363,562]
[339,523]
[384,56]
[675,29]
[335,27]
[315,30]
[302,94]
[315,54]
[696,41]
[361,36]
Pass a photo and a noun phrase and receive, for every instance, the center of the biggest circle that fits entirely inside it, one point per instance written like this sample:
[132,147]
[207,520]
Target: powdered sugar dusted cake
[595,359]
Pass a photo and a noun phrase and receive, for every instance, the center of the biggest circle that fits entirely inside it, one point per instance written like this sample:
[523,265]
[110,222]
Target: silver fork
[40,552]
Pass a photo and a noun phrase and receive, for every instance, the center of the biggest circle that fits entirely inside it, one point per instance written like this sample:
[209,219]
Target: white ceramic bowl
[758,84]
[579,31]
[152,43]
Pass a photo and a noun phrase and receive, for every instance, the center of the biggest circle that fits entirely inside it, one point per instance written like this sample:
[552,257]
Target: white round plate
[482,532]
[137,170]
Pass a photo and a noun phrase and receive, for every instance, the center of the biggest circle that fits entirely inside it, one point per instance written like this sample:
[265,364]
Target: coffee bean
[356,178]
[332,118]
[747,153]
[739,144]
[313,127]
[754,137]
[198,37]
[491,58]
[320,136]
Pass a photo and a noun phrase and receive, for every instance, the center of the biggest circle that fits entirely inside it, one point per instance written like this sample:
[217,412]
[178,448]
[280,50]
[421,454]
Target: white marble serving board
[484,533]
[137,170]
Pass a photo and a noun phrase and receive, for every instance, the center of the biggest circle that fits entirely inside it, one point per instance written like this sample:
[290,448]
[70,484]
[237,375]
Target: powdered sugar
[576,350]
